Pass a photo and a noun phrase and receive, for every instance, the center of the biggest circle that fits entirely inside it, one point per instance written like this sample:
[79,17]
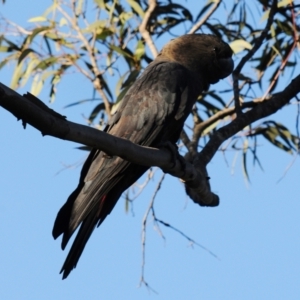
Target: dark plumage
[151,113]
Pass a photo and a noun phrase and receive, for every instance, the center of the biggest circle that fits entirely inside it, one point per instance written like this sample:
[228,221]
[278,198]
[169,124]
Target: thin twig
[193,242]
[144,228]
[141,186]
[288,168]
[18,27]
[205,18]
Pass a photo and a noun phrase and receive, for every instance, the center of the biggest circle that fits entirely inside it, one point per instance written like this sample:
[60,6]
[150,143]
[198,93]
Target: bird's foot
[175,156]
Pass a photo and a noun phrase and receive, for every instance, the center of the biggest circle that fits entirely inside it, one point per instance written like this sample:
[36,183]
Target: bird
[151,113]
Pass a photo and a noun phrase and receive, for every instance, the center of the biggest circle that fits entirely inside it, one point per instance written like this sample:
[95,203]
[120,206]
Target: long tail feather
[80,241]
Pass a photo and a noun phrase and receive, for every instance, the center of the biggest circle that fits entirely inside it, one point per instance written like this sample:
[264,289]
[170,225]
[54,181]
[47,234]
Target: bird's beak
[226,65]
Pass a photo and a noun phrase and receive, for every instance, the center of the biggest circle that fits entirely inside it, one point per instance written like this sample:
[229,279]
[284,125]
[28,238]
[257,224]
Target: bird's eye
[216,49]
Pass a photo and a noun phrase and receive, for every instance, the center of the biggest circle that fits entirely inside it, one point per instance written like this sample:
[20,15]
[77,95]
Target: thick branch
[261,110]
[51,123]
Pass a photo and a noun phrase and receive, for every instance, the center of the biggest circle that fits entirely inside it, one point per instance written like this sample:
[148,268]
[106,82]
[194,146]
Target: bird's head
[206,55]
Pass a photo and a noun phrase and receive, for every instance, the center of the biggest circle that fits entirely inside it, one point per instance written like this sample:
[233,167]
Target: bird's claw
[173,148]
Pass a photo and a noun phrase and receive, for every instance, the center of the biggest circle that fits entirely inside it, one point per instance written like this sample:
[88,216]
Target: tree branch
[261,110]
[200,127]
[193,175]
[205,18]
[38,115]
[144,32]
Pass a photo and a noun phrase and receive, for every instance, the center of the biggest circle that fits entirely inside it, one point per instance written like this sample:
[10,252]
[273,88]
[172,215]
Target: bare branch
[205,18]
[143,28]
[157,222]
[144,229]
[193,242]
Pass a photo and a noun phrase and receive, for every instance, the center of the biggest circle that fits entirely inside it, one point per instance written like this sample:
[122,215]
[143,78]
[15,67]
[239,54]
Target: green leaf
[44,64]
[210,128]
[5,49]
[136,7]
[29,70]
[52,36]
[270,137]
[245,149]
[54,81]
[3,63]
[37,19]
[209,106]
[125,16]
[240,45]
[36,31]
[120,84]
[10,58]
[100,3]
[284,3]
[24,54]
[79,7]
[106,88]
[131,78]
[51,8]
[80,102]
[273,132]
[109,63]
[139,50]
[120,51]
[63,22]
[100,107]
[216,97]
[11,45]
[47,74]
[16,76]
[95,26]
[265,16]
[37,85]
[122,94]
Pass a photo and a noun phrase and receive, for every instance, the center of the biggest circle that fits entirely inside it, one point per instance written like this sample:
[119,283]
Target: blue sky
[255,231]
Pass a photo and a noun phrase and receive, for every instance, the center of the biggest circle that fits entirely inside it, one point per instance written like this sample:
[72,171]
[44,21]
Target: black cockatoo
[152,112]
